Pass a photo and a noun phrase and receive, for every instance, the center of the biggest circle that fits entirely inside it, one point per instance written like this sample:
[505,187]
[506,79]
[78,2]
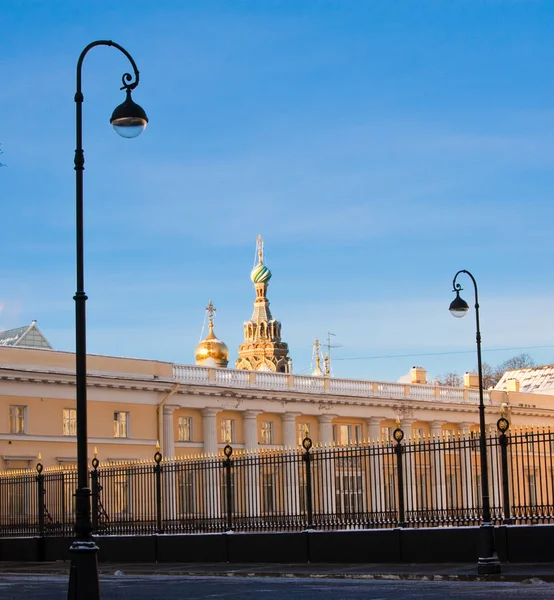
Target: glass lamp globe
[129,119]
[458,307]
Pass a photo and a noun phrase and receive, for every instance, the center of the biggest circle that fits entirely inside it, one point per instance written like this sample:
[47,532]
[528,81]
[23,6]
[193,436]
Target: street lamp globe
[458,307]
[129,119]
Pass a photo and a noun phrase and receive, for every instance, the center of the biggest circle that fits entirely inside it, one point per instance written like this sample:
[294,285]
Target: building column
[168,442]
[250,423]
[375,466]
[169,474]
[438,474]
[324,471]
[209,426]
[325,429]
[291,466]
[410,465]
[467,470]
[211,499]
[495,469]
[253,467]
[289,430]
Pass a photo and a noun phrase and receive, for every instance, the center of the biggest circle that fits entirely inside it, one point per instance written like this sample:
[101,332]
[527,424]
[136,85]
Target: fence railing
[426,482]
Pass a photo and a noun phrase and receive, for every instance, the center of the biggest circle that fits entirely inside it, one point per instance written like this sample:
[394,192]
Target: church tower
[263,349]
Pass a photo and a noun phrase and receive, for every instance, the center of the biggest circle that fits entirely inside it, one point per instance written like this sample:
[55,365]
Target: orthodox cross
[260,247]
[211,310]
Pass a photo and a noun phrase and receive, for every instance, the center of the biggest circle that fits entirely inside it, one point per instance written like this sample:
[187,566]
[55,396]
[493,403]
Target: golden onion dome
[211,350]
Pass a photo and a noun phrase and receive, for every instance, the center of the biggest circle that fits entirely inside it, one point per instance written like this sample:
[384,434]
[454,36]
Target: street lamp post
[129,120]
[488,562]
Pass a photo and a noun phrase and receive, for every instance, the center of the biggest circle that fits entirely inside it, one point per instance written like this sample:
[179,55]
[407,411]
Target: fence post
[158,473]
[41,492]
[503,425]
[95,492]
[398,435]
[228,463]
[307,457]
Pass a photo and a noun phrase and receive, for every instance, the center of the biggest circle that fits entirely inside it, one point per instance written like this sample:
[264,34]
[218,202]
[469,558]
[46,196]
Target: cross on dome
[211,310]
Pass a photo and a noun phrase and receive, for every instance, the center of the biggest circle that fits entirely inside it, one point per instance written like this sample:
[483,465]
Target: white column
[168,445]
[168,474]
[211,501]
[375,465]
[292,502]
[324,470]
[495,469]
[325,429]
[438,476]
[467,471]
[250,424]
[289,430]
[409,464]
[209,426]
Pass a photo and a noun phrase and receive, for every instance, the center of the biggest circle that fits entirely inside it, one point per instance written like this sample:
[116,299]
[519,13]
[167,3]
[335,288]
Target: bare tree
[521,361]
[449,379]
[491,375]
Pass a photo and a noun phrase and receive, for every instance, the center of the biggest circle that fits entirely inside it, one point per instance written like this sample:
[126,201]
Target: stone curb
[465,577]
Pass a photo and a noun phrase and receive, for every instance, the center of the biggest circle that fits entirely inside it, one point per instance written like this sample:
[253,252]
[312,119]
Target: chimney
[512,385]
[471,380]
[418,375]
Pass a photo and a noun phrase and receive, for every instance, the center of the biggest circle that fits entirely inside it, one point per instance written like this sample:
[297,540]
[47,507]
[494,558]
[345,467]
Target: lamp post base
[488,562]
[83,572]
[489,566]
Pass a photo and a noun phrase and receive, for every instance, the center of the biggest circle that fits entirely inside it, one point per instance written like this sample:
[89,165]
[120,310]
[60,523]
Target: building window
[185,429]
[18,419]
[346,435]
[268,490]
[121,424]
[386,434]
[228,431]
[302,432]
[267,432]
[349,492]
[121,492]
[69,421]
[187,493]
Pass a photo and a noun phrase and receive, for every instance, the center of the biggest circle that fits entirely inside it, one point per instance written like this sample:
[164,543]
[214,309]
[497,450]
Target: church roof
[28,336]
[531,379]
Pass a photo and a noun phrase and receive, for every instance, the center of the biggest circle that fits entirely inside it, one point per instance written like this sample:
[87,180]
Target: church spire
[262,348]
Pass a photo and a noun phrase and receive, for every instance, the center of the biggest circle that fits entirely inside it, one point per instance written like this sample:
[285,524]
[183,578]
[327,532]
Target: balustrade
[323,385]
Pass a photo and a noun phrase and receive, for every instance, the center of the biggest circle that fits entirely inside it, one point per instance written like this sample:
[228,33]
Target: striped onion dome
[260,273]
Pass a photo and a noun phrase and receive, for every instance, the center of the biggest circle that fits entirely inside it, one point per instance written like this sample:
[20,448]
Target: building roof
[531,379]
[28,336]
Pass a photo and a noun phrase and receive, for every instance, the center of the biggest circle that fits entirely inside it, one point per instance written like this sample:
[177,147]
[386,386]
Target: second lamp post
[488,562]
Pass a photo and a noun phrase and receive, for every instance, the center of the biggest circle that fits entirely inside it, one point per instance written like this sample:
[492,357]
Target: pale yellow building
[193,409]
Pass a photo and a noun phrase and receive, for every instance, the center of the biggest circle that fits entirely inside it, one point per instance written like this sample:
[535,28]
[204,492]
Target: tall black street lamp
[129,120]
[488,562]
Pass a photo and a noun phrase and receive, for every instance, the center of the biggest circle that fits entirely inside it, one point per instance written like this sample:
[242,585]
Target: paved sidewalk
[426,572]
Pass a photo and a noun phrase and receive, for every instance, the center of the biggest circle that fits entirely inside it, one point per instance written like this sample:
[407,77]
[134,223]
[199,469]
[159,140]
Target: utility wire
[442,353]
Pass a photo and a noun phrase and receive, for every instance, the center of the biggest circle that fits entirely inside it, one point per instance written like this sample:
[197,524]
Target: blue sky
[377,146]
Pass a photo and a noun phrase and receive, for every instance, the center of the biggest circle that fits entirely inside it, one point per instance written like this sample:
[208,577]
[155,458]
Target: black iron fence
[427,482]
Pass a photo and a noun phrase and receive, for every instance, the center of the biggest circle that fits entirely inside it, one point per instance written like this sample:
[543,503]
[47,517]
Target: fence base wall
[532,543]
[456,545]
[211,547]
[375,546]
